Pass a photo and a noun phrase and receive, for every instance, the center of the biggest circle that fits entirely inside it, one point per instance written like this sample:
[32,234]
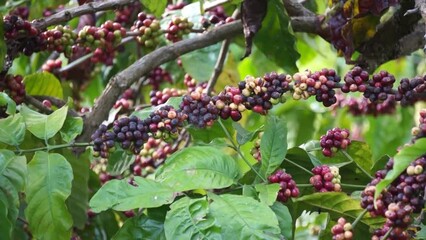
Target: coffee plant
[221,119]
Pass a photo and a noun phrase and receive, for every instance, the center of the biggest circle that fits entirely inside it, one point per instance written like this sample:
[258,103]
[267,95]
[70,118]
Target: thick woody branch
[88,8]
[123,80]
[296,9]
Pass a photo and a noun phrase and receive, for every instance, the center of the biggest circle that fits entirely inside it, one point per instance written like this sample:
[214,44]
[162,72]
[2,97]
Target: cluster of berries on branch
[60,39]
[342,230]
[148,29]
[216,16]
[288,187]
[14,87]
[128,13]
[160,97]
[126,100]
[326,179]
[255,151]
[334,140]
[177,28]
[158,76]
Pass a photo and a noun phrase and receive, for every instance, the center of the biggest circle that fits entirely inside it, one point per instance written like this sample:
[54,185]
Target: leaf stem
[359,218]
[352,160]
[237,149]
[299,166]
[387,234]
[49,148]
[351,185]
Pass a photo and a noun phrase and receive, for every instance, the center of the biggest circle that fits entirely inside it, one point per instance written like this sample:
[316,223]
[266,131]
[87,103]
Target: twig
[49,148]
[40,106]
[123,80]
[360,216]
[219,65]
[88,8]
[56,101]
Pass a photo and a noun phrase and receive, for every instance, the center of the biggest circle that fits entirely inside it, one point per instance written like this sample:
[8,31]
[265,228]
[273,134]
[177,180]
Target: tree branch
[219,65]
[296,9]
[88,8]
[123,80]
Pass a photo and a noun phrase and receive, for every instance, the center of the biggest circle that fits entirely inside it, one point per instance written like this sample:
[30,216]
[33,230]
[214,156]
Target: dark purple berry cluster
[158,76]
[22,35]
[288,187]
[334,140]
[148,29]
[200,109]
[230,103]
[379,87]
[216,16]
[22,12]
[326,179]
[177,28]
[409,90]
[355,80]
[342,230]
[165,123]
[322,84]
[14,87]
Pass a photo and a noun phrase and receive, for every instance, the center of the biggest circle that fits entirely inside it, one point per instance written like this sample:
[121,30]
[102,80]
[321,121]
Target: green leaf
[43,84]
[190,219]
[13,171]
[6,100]
[73,126]
[78,201]
[339,204]
[44,126]
[268,193]
[6,226]
[243,217]
[3,47]
[308,221]
[401,161]
[243,135]
[200,63]
[198,168]
[120,195]
[119,162]
[155,6]
[273,145]
[144,113]
[141,227]
[49,185]
[275,29]
[422,233]
[284,219]
[212,133]
[12,130]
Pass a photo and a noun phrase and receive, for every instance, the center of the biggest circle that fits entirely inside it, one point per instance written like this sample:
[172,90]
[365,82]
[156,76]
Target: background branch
[88,8]
[123,80]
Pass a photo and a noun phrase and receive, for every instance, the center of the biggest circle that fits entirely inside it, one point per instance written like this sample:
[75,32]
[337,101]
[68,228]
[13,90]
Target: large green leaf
[6,225]
[268,192]
[243,135]
[284,219]
[189,219]
[73,126]
[43,84]
[119,161]
[120,195]
[78,201]
[13,171]
[273,145]
[198,168]
[401,161]
[155,6]
[274,38]
[44,126]
[142,228]
[49,185]
[211,133]
[243,217]
[12,130]
[339,204]
[5,100]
